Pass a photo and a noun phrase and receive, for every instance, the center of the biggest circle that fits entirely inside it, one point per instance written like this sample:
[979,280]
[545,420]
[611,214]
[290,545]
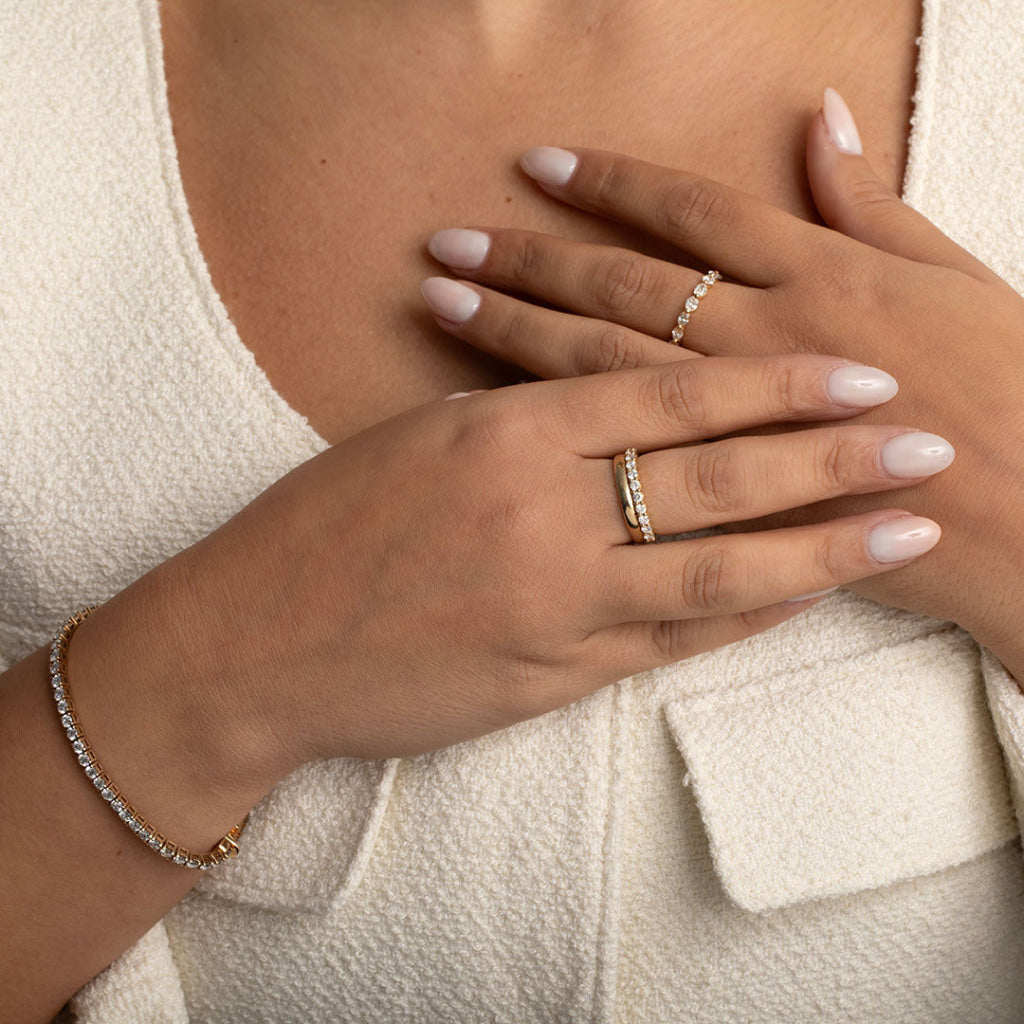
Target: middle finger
[744,478]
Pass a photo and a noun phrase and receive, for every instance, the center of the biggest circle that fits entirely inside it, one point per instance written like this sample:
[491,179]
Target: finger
[602,281]
[639,646]
[728,574]
[746,238]
[547,343]
[854,200]
[698,399]
[746,478]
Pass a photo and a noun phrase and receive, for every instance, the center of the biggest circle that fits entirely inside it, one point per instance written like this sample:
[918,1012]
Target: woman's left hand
[880,285]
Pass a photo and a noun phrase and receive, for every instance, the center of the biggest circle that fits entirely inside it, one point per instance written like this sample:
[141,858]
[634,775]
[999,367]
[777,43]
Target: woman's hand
[467,565]
[882,285]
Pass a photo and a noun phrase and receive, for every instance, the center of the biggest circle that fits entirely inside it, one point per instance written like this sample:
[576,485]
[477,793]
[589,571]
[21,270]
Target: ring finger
[618,285]
[745,478]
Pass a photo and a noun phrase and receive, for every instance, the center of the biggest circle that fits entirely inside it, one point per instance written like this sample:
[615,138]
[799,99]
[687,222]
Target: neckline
[243,358]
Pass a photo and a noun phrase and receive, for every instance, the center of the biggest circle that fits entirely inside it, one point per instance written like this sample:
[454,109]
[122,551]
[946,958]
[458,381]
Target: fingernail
[456,394]
[450,299]
[916,454]
[811,596]
[459,247]
[839,123]
[896,540]
[860,386]
[549,165]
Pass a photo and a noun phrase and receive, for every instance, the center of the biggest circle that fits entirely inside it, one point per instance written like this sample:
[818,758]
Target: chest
[315,174]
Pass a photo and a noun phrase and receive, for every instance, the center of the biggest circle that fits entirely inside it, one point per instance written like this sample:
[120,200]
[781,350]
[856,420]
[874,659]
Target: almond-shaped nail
[916,454]
[839,123]
[460,247]
[861,387]
[549,165]
[450,300]
[897,540]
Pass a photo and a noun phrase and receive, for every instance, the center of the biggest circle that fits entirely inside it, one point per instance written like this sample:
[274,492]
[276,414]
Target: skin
[307,265]
[908,289]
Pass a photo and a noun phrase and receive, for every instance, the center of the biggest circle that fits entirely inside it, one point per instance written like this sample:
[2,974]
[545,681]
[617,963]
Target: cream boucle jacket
[817,824]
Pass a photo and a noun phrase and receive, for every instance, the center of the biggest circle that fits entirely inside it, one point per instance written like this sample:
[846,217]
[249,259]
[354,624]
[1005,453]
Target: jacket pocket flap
[848,775]
[308,841]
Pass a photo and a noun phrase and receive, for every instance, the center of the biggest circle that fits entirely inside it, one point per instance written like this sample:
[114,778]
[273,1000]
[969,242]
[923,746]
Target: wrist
[156,715]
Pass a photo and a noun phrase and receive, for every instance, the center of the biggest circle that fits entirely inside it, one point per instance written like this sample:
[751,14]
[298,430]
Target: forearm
[77,888]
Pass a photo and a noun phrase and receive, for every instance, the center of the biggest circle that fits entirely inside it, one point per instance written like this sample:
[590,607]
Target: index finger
[746,238]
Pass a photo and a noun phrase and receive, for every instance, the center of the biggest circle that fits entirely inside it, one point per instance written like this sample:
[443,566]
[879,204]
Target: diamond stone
[192,862]
[178,859]
[641,507]
[154,842]
[92,771]
[117,806]
[58,692]
[66,721]
[56,680]
[62,706]
[644,521]
[78,746]
[84,758]
[701,290]
[72,733]
[133,824]
[677,334]
[692,304]
[107,793]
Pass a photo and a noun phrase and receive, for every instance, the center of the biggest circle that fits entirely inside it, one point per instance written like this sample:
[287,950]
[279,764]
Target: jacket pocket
[307,843]
[848,775]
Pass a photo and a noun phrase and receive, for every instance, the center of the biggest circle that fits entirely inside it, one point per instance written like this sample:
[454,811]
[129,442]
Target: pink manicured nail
[860,386]
[548,165]
[460,247]
[916,454]
[450,299]
[457,394]
[840,125]
[896,540]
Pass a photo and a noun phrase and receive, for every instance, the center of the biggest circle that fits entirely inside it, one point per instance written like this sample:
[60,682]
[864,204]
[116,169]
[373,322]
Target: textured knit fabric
[815,824]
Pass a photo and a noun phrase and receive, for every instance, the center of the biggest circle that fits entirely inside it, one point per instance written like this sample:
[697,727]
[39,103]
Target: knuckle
[833,463]
[709,581]
[622,285]
[669,641]
[689,206]
[711,480]
[613,350]
[512,327]
[786,388]
[611,181]
[677,397]
[830,560]
[526,261]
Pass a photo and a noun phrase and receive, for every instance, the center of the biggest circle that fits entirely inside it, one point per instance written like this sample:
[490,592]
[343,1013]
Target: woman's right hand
[466,565]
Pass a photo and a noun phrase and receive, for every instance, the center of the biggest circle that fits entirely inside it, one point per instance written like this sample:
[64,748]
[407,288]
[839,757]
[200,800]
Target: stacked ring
[631,498]
[699,291]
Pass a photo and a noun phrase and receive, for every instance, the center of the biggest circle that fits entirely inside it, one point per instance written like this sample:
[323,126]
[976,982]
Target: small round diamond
[178,859]
[155,843]
[641,507]
[84,758]
[56,680]
[78,746]
[92,771]
[644,521]
[701,290]
[58,692]
[66,721]
[62,706]
[692,304]
[107,793]
[72,733]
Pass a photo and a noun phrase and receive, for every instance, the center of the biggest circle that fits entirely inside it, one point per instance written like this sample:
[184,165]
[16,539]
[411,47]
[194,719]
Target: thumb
[853,199]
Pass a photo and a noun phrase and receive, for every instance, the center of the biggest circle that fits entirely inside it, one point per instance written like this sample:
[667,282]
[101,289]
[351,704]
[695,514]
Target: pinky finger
[639,646]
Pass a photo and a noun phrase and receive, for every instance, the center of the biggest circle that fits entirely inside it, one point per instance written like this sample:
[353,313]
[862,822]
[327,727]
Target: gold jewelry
[699,291]
[631,497]
[225,848]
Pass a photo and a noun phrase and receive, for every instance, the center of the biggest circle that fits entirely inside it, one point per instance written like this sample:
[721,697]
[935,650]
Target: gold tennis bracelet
[227,847]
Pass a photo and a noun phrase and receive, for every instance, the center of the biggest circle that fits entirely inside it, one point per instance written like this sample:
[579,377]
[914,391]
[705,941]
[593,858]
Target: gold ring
[631,497]
[699,291]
